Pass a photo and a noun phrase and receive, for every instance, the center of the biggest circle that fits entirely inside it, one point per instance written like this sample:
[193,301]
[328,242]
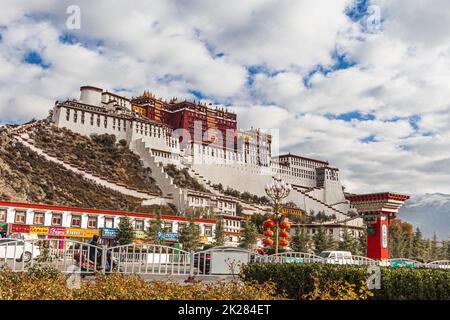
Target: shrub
[297,280]
[46,283]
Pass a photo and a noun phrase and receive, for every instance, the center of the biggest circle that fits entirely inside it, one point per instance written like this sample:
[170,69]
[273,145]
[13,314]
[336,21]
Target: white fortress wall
[93,123]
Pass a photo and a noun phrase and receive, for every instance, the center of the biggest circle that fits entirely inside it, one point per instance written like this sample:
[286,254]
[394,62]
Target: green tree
[348,242]
[321,240]
[362,243]
[418,251]
[188,237]
[126,231]
[155,228]
[249,239]
[219,233]
[434,250]
[300,241]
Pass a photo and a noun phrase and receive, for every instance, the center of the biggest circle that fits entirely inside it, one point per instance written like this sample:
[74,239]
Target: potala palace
[207,142]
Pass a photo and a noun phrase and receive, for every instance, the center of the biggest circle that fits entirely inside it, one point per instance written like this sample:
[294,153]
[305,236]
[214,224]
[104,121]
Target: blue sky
[358,83]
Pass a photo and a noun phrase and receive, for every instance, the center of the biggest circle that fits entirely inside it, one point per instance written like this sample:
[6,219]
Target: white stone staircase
[164,181]
[328,209]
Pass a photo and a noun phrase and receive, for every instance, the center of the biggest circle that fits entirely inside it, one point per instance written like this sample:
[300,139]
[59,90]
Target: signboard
[109,233]
[20,228]
[384,237]
[56,231]
[139,234]
[81,233]
[167,235]
[171,236]
[203,238]
[41,230]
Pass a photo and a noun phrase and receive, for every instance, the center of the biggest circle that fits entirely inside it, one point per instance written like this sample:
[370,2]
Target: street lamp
[277,190]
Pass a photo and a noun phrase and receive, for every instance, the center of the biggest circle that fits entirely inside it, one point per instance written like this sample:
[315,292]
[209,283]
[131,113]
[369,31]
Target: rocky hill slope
[26,176]
[100,154]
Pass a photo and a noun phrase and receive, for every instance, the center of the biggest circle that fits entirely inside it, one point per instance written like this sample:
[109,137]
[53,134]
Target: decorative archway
[377,210]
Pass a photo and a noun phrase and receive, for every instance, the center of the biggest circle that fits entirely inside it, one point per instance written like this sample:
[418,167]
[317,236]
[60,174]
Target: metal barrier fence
[76,257]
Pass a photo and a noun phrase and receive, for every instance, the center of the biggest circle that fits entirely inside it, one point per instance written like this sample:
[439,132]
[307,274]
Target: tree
[362,243]
[188,237]
[300,241]
[125,234]
[258,220]
[219,233]
[418,251]
[348,242]
[156,229]
[249,238]
[434,250]
[321,240]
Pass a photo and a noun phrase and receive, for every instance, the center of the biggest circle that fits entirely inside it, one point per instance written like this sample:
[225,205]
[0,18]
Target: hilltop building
[207,142]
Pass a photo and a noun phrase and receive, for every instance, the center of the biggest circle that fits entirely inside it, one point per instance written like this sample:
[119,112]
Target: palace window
[3,213]
[139,224]
[168,227]
[109,222]
[38,218]
[56,219]
[98,121]
[82,117]
[20,217]
[105,122]
[92,222]
[67,114]
[208,231]
[92,119]
[76,221]
[75,117]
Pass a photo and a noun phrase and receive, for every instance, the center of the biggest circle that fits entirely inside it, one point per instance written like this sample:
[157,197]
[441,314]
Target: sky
[363,84]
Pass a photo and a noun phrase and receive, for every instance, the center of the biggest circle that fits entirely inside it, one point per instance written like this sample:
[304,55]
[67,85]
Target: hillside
[26,176]
[100,154]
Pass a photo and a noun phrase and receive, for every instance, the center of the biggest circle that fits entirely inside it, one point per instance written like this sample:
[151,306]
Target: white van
[337,257]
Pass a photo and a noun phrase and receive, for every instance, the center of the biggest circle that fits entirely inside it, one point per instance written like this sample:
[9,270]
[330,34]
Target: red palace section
[184,115]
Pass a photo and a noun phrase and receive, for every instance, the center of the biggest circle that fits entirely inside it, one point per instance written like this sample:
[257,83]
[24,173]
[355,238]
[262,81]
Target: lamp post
[277,190]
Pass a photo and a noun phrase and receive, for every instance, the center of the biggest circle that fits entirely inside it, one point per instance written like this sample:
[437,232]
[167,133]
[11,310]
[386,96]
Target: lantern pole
[277,191]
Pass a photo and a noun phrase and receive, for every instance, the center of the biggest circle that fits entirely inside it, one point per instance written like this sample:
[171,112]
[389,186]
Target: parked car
[18,249]
[202,262]
[337,257]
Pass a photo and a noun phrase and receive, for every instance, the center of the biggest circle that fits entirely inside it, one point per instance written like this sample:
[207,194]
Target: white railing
[73,256]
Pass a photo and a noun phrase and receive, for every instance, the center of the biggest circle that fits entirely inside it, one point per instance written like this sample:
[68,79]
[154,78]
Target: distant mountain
[430,212]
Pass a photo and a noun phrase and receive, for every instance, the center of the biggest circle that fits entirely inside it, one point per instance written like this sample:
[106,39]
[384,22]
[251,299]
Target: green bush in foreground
[297,281]
[46,283]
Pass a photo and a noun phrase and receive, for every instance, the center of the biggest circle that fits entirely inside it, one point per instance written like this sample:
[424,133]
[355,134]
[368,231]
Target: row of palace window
[105,121]
[56,220]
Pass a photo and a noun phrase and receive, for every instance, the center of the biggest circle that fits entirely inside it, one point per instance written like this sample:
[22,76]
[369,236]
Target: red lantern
[283,243]
[269,223]
[284,234]
[285,225]
[268,233]
[267,242]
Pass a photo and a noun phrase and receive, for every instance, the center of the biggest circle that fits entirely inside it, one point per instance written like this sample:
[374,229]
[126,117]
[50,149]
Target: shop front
[81,235]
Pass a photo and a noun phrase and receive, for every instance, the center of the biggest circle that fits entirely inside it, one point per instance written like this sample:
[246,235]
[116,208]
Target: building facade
[156,130]
[47,222]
